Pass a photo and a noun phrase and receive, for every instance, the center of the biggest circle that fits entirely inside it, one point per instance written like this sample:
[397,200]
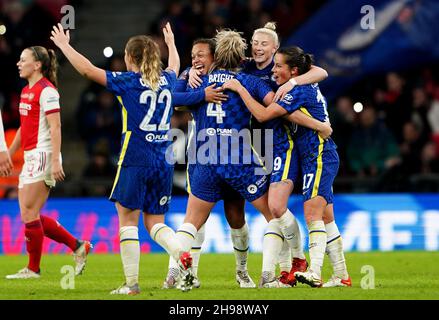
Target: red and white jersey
[35,103]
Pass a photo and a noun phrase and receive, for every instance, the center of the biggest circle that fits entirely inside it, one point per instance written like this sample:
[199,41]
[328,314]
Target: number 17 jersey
[146,117]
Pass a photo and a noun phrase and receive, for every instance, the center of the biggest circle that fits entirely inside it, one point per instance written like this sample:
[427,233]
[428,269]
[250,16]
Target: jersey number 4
[146,95]
[215,110]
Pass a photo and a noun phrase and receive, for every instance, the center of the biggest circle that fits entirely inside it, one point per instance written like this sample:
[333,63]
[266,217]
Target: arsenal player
[40,138]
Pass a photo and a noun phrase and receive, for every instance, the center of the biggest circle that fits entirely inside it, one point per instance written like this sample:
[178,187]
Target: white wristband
[293,82]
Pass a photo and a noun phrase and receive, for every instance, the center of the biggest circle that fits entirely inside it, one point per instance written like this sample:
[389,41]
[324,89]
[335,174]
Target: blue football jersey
[309,100]
[146,116]
[226,121]
[265,74]
[282,130]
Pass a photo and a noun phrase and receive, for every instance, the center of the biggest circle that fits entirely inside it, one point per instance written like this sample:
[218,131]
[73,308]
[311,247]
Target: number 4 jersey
[146,116]
[229,122]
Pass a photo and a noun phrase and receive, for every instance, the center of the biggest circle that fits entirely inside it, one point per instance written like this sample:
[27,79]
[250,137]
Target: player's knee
[236,219]
[28,215]
[276,209]
[327,219]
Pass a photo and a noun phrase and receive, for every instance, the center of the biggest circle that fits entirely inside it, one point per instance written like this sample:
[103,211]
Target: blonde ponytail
[145,54]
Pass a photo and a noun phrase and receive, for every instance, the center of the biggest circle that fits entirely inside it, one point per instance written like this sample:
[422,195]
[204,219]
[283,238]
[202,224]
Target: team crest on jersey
[163,200]
[252,189]
[31,96]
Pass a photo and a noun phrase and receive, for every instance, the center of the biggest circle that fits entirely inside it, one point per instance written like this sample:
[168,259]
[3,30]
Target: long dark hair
[49,62]
[296,57]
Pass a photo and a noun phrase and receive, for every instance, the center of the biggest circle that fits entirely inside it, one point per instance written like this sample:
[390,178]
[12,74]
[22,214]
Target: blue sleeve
[188,98]
[118,82]
[257,88]
[181,84]
[263,89]
[293,100]
[171,77]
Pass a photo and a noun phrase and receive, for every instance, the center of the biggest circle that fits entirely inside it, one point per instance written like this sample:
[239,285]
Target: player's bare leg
[235,215]
[334,250]
[129,249]
[31,199]
[314,209]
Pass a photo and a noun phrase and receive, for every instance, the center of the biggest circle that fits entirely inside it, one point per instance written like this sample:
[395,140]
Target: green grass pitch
[398,275]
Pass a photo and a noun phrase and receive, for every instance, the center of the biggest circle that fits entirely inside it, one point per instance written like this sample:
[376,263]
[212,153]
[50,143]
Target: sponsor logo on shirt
[287,99]
[24,108]
[219,132]
[151,137]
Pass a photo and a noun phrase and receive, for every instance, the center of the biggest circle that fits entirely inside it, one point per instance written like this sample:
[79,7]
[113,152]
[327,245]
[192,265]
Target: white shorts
[37,167]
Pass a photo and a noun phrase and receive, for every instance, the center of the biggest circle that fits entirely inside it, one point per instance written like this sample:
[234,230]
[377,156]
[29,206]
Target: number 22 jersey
[146,117]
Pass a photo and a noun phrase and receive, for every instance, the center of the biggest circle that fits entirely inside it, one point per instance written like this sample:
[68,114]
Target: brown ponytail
[296,57]
[49,62]
[51,73]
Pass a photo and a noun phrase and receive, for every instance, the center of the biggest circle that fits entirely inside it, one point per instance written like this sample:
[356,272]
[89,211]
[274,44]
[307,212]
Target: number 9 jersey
[146,117]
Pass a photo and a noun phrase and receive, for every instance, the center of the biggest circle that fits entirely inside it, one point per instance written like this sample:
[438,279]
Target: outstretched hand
[60,36]
[168,34]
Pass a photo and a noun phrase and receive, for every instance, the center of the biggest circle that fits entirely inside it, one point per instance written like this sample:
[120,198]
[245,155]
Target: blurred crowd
[396,135]
[392,139]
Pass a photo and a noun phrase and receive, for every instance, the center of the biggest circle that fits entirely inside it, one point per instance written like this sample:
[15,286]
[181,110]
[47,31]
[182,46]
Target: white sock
[166,237]
[172,264]
[196,250]
[240,240]
[290,230]
[186,235]
[285,257]
[317,245]
[271,246]
[334,249]
[130,253]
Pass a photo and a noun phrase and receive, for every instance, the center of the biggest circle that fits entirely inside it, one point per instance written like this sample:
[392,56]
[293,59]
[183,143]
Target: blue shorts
[146,188]
[285,165]
[319,174]
[213,183]
[227,194]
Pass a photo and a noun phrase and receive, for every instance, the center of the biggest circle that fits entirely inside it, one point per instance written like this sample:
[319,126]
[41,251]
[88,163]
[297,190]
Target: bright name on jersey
[220,77]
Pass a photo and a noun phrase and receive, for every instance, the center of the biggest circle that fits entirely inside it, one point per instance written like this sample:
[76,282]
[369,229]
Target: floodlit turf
[398,275]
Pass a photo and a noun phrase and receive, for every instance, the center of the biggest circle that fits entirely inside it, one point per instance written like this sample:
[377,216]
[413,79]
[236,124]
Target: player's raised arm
[61,38]
[314,75]
[173,58]
[261,113]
